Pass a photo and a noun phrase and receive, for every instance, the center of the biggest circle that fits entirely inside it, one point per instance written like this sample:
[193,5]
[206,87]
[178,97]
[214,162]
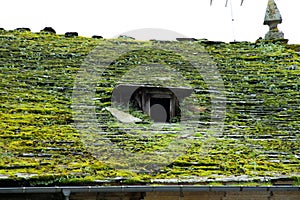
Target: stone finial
[272,19]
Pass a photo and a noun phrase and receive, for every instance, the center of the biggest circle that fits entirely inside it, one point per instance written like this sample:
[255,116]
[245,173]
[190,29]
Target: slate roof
[41,144]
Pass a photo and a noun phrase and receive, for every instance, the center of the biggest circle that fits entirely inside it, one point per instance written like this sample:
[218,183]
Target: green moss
[37,136]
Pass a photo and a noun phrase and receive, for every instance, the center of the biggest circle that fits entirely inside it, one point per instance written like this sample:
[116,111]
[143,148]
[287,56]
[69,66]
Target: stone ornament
[272,19]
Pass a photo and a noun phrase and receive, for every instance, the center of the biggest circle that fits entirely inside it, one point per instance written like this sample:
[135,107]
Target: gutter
[67,190]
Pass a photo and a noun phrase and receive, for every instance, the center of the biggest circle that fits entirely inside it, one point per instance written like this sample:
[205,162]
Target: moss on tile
[41,146]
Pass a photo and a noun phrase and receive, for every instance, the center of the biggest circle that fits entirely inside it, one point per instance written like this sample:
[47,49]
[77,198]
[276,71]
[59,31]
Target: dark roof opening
[161,104]
[160,109]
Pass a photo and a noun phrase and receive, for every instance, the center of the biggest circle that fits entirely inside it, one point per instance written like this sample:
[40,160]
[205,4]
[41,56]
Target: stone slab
[122,116]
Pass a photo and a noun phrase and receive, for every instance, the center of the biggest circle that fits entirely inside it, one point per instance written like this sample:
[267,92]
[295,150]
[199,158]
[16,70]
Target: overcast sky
[192,18]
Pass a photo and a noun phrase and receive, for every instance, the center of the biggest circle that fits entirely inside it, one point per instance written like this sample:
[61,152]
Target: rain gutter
[67,190]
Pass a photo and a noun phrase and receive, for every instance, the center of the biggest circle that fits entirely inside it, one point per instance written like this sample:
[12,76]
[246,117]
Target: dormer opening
[161,104]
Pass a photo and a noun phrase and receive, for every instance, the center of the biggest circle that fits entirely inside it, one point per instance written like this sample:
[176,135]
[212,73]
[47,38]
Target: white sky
[192,18]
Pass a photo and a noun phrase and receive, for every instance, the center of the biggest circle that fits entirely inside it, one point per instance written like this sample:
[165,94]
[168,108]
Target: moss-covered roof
[41,145]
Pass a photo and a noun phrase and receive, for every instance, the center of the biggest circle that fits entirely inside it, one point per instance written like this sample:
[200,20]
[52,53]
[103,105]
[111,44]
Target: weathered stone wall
[245,195]
[56,196]
[256,195]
